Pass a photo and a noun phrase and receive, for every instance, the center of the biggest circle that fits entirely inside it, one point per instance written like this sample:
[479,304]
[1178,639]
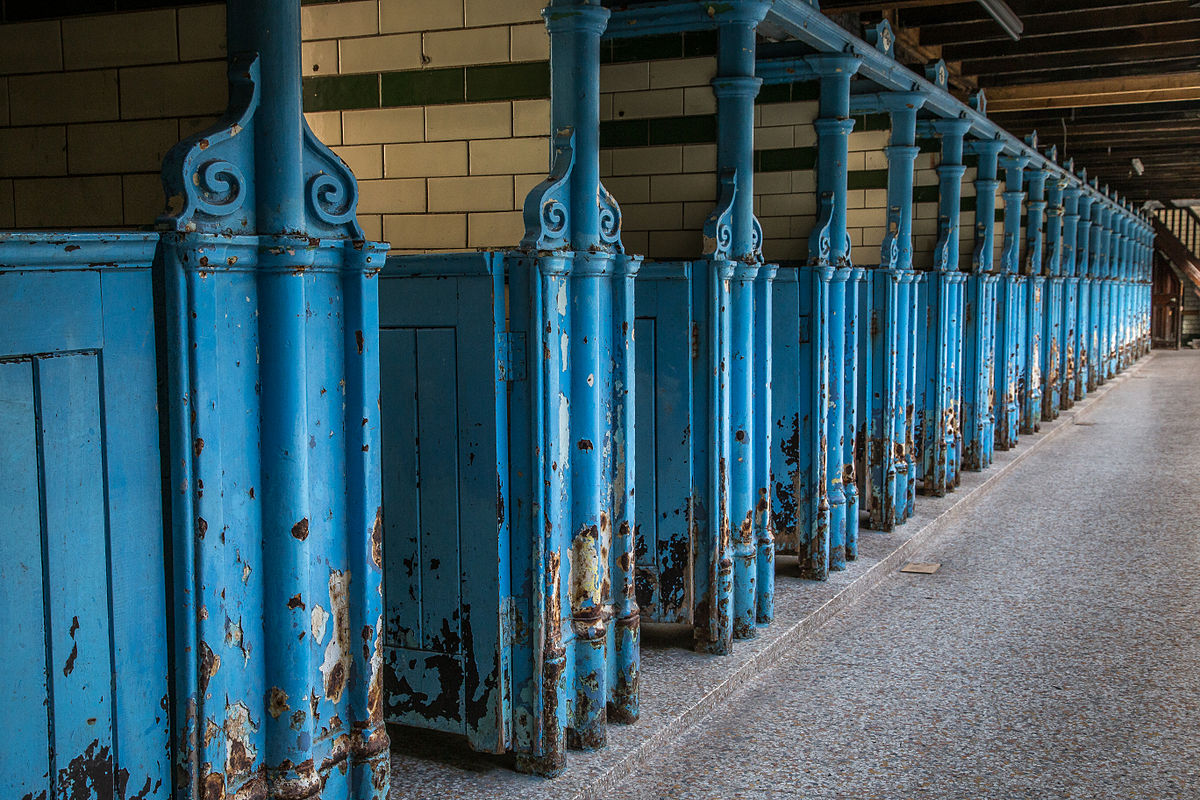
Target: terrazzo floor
[1055,654]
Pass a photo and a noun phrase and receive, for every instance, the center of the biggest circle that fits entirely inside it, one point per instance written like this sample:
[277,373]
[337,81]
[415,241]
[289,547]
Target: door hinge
[510,356]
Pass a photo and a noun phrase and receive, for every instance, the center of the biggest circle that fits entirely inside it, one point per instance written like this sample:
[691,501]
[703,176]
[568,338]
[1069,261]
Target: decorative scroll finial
[610,220]
[818,240]
[889,251]
[718,228]
[882,37]
[1052,153]
[330,190]
[1031,140]
[209,176]
[204,176]
[935,73]
[978,101]
[941,251]
[546,210]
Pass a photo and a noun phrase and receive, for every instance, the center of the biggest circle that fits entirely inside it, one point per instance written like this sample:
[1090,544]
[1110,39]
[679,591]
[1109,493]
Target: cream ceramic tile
[63,97]
[119,40]
[27,47]
[400,16]
[173,90]
[336,20]
[425,160]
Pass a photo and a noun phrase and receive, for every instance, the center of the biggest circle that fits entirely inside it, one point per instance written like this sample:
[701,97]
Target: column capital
[829,64]
[566,17]
[953,127]
[901,101]
[986,147]
[1017,162]
[827,126]
[902,151]
[736,86]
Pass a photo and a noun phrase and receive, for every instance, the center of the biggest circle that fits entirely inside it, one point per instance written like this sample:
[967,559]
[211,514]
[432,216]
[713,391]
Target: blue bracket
[547,208]
[818,238]
[209,177]
[718,231]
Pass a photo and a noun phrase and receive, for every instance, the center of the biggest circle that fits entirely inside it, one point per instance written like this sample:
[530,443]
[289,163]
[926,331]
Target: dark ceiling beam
[1152,66]
[1096,21]
[1096,56]
[863,6]
[1072,43]
[1157,112]
[1123,90]
[973,12]
[1183,127]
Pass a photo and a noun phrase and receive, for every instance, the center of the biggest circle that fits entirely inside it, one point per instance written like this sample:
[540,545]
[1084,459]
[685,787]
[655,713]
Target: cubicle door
[84,702]
[663,332]
[446,558]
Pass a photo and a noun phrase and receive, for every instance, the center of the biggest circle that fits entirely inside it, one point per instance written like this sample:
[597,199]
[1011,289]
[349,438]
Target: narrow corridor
[1055,654]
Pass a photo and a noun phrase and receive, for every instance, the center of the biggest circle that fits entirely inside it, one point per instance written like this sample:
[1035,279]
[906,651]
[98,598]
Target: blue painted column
[764,414]
[273,396]
[1033,269]
[886,432]
[1144,277]
[575,30]
[1083,268]
[1116,268]
[749,446]
[1101,307]
[1123,337]
[941,424]
[979,354]
[1010,293]
[1097,240]
[1052,305]
[1112,251]
[587,671]
[1068,337]
[833,127]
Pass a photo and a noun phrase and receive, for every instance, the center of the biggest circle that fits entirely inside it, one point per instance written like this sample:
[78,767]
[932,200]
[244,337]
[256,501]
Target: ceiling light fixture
[1004,16]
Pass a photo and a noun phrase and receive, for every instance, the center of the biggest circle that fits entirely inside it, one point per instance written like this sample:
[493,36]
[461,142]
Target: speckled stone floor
[1055,654]
[1051,656]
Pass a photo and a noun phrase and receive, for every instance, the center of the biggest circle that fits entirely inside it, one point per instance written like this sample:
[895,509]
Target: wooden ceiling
[1107,81]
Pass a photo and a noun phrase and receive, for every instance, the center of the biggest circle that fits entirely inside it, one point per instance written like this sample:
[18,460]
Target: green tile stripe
[785,159]
[925,194]
[422,87]
[868,179]
[698,129]
[872,122]
[789,92]
[691,44]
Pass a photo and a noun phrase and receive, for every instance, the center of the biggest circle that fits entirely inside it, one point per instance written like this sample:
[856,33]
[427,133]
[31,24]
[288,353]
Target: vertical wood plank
[77,568]
[401,482]
[136,527]
[438,467]
[23,711]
